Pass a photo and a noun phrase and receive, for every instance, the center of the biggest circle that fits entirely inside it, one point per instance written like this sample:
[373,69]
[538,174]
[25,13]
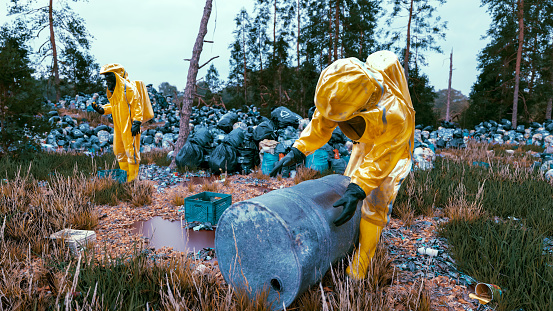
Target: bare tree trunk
[549,101]
[330,35]
[55,69]
[449,86]
[298,40]
[245,67]
[336,29]
[191,80]
[406,59]
[519,58]
[274,29]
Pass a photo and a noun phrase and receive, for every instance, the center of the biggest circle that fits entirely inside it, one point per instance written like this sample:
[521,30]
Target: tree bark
[245,67]
[550,100]
[336,29]
[449,86]
[406,59]
[519,59]
[55,68]
[191,80]
[274,29]
[330,34]
[298,36]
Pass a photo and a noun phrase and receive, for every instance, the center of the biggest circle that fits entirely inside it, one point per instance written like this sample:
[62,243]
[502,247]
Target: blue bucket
[318,160]
[268,162]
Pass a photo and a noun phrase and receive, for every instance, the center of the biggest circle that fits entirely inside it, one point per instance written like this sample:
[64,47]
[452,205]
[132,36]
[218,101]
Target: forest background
[281,46]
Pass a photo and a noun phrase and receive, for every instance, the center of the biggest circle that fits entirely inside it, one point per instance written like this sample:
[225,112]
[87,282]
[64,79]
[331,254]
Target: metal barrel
[284,241]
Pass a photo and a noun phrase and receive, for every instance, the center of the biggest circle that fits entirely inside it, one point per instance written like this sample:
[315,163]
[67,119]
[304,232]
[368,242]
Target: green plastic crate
[117,174]
[206,206]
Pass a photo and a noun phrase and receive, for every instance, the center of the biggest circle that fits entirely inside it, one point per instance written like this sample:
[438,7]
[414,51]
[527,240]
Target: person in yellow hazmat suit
[126,110]
[370,103]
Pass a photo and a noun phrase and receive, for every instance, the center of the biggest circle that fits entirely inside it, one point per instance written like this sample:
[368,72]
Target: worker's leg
[119,151]
[132,148]
[376,211]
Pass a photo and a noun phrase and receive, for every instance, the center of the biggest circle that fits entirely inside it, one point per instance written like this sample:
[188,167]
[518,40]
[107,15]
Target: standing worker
[370,103]
[126,110]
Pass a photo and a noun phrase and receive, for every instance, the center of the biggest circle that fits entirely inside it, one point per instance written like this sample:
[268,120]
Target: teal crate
[117,174]
[206,206]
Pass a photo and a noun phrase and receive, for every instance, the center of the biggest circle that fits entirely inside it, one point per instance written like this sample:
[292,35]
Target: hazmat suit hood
[117,69]
[346,88]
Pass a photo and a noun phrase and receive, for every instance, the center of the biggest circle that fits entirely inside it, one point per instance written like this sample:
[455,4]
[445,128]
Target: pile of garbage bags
[238,140]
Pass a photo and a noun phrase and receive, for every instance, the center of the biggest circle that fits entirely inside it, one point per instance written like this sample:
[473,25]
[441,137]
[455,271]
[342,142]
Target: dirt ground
[114,235]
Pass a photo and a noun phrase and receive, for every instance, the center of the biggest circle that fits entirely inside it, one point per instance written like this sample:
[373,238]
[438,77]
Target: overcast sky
[151,38]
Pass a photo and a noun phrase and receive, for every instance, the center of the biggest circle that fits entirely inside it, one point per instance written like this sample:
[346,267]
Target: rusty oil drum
[284,241]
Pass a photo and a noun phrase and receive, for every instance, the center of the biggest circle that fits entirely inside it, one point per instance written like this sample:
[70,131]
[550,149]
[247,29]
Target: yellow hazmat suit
[124,106]
[370,103]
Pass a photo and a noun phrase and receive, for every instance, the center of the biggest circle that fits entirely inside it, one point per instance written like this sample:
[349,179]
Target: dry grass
[191,187]
[155,156]
[258,173]
[406,213]
[211,187]
[460,208]
[304,173]
[418,298]
[177,199]
[141,192]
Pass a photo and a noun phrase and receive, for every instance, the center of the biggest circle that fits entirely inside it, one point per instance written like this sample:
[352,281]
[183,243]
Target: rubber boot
[133,171]
[124,166]
[369,235]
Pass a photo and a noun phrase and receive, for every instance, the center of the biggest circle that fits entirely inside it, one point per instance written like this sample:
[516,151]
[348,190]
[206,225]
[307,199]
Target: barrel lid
[246,233]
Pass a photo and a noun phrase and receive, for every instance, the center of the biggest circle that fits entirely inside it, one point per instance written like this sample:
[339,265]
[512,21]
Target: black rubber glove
[135,129]
[293,157]
[97,107]
[349,201]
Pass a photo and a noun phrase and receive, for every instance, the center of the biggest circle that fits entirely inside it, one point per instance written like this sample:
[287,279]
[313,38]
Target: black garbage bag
[235,138]
[76,133]
[201,136]
[227,121]
[283,117]
[248,155]
[147,139]
[265,130]
[337,137]
[338,166]
[102,127]
[224,158]
[190,155]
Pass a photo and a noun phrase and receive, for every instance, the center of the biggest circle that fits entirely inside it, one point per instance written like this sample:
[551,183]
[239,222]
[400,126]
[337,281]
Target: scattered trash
[485,293]
[75,240]
[427,251]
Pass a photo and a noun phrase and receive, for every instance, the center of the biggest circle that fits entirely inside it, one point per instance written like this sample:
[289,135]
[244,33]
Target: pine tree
[20,105]
[64,25]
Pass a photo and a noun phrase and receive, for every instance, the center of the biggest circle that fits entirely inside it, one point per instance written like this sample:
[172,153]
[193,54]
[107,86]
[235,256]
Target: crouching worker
[126,110]
[370,103]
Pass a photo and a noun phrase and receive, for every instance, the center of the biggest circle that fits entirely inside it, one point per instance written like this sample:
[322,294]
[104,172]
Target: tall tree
[518,53]
[191,79]
[64,25]
[20,105]
[80,70]
[520,15]
[421,31]
[239,57]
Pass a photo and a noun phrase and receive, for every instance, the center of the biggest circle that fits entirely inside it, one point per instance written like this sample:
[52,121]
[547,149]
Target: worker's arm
[316,134]
[134,100]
